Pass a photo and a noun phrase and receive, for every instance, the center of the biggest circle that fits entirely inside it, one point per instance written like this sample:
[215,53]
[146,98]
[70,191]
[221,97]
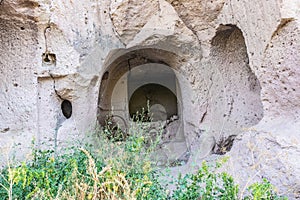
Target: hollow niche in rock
[142,88]
[66,108]
[152,102]
[235,93]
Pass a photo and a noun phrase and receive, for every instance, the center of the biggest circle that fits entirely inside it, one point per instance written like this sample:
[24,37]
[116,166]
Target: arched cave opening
[235,92]
[158,102]
[145,79]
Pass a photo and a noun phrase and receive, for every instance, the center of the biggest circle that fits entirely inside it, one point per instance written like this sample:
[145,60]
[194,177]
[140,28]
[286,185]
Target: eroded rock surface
[235,62]
[258,154]
[129,16]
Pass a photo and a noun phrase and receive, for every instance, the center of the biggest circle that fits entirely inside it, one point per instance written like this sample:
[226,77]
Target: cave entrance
[140,86]
[152,89]
[153,102]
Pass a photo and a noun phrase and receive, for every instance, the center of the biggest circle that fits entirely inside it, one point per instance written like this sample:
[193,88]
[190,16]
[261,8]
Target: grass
[117,169]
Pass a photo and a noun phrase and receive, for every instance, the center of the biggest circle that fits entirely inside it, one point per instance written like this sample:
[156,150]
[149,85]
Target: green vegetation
[117,170]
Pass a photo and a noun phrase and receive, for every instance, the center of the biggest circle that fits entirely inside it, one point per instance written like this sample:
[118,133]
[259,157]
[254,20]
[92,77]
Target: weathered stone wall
[18,94]
[236,63]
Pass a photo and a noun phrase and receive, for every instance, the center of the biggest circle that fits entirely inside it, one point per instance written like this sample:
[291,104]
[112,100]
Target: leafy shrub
[44,176]
[80,176]
[264,190]
[117,170]
[205,184]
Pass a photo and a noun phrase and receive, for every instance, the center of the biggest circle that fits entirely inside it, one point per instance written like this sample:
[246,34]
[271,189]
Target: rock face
[233,66]
[273,155]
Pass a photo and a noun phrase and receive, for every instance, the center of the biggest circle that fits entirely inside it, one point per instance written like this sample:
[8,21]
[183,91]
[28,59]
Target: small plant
[112,130]
[123,170]
[264,190]
[133,158]
[205,184]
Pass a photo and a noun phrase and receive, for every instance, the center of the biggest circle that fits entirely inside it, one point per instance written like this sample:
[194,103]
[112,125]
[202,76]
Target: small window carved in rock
[49,58]
[66,108]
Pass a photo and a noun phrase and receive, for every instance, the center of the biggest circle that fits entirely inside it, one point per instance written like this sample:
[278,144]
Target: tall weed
[117,169]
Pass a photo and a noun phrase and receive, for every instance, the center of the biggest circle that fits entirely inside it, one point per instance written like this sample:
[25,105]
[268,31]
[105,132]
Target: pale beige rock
[197,15]
[129,16]
[236,64]
[280,73]
[256,155]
